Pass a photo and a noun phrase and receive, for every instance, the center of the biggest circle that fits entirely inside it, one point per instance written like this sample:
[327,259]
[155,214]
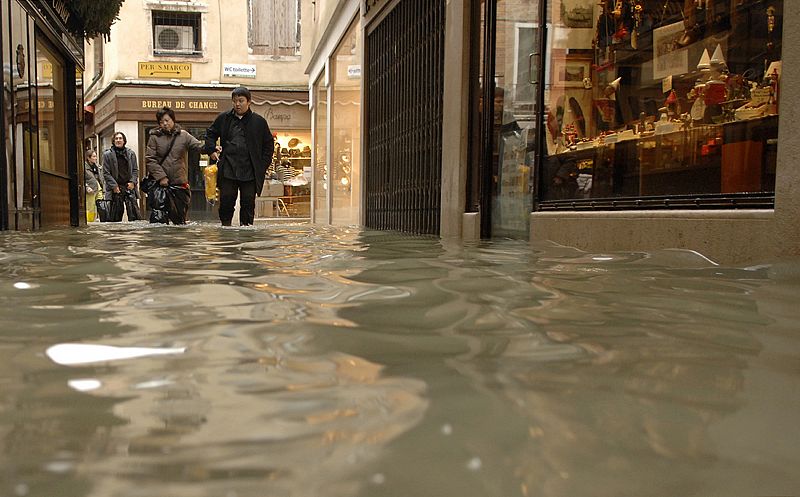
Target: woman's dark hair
[241,91]
[124,138]
[165,111]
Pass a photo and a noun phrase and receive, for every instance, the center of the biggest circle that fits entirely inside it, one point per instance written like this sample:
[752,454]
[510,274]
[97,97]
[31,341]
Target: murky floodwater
[301,361]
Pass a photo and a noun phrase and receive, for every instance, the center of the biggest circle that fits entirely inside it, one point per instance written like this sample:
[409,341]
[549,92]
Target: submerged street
[293,360]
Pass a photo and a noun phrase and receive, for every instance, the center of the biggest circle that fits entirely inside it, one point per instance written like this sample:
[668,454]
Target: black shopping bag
[146,184]
[161,202]
[110,210]
[103,209]
[132,206]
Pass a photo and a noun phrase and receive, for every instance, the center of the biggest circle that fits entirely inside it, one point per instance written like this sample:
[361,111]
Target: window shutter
[286,25]
[262,26]
[273,27]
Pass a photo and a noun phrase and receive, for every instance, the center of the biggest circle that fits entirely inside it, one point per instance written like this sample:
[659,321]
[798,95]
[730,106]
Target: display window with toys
[670,101]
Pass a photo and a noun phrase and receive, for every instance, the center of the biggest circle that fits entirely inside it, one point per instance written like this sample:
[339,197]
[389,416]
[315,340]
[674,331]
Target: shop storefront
[336,94]
[626,105]
[598,124]
[41,132]
[132,110]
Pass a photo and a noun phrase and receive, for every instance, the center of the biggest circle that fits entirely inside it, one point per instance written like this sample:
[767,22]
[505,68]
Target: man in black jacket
[244,152]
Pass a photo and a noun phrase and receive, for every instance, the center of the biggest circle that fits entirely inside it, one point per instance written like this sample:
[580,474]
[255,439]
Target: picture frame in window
[571,72]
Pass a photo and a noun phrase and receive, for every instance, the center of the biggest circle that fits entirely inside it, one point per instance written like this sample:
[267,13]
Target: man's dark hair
[124,138]
[241,91]
[165,111]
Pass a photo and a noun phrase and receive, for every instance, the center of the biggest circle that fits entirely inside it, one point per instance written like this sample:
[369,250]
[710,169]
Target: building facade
[605,125]
[192,55]
[42,131]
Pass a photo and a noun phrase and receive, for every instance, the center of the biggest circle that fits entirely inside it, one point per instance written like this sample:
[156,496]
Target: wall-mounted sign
[180,104]
[354,72]
[168,70]
[61,9]
[239,70]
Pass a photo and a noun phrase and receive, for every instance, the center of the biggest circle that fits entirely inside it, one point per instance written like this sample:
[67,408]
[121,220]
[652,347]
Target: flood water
[301,361]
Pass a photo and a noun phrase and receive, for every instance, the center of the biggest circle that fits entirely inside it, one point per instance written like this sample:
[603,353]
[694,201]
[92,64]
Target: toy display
[674,86]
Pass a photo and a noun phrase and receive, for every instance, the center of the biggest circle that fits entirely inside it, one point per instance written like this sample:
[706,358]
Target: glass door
[512,63]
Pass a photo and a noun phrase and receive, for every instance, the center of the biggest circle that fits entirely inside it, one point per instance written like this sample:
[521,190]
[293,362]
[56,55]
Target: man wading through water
[246,150]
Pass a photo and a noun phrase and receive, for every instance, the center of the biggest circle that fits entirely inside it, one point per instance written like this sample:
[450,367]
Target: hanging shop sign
[165,70]
[239,70]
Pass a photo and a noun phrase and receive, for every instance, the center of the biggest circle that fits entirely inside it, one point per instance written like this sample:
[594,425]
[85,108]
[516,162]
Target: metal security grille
[403,172]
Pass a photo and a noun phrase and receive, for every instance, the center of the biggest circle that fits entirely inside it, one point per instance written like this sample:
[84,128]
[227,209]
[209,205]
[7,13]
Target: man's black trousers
[228,190]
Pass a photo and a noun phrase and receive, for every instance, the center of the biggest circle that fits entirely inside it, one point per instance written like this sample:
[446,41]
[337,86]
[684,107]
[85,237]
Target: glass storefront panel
[320,150]
[32,147]
[516,58]
[22,97]
[52,110]
[345,127]
[291,166]
[8,117]
[661,98]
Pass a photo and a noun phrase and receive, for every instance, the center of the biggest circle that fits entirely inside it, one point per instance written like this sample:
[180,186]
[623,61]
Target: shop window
[320,172]
[346,127]
[51,104]
[273,27]
[665,102]
[176,33]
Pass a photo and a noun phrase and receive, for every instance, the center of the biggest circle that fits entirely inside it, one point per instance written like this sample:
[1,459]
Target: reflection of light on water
[59,466]
[153,384]
[68,354]
[21,285]
[85,384]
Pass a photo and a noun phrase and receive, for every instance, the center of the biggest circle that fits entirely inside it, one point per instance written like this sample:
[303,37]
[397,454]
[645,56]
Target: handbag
[148,182]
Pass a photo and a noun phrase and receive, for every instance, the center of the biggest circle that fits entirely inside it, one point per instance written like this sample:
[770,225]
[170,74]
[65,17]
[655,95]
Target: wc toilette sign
[239,70]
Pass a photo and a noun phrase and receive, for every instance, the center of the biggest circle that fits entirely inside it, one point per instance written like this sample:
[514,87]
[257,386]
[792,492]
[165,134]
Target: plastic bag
[132,205]
[146,184]
[110,210]
[210,176]
[161,202]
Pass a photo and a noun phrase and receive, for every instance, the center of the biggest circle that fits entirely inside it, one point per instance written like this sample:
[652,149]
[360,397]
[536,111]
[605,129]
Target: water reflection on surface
[294,360]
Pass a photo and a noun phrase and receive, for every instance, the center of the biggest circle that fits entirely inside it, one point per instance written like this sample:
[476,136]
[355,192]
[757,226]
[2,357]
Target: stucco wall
[224,40]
